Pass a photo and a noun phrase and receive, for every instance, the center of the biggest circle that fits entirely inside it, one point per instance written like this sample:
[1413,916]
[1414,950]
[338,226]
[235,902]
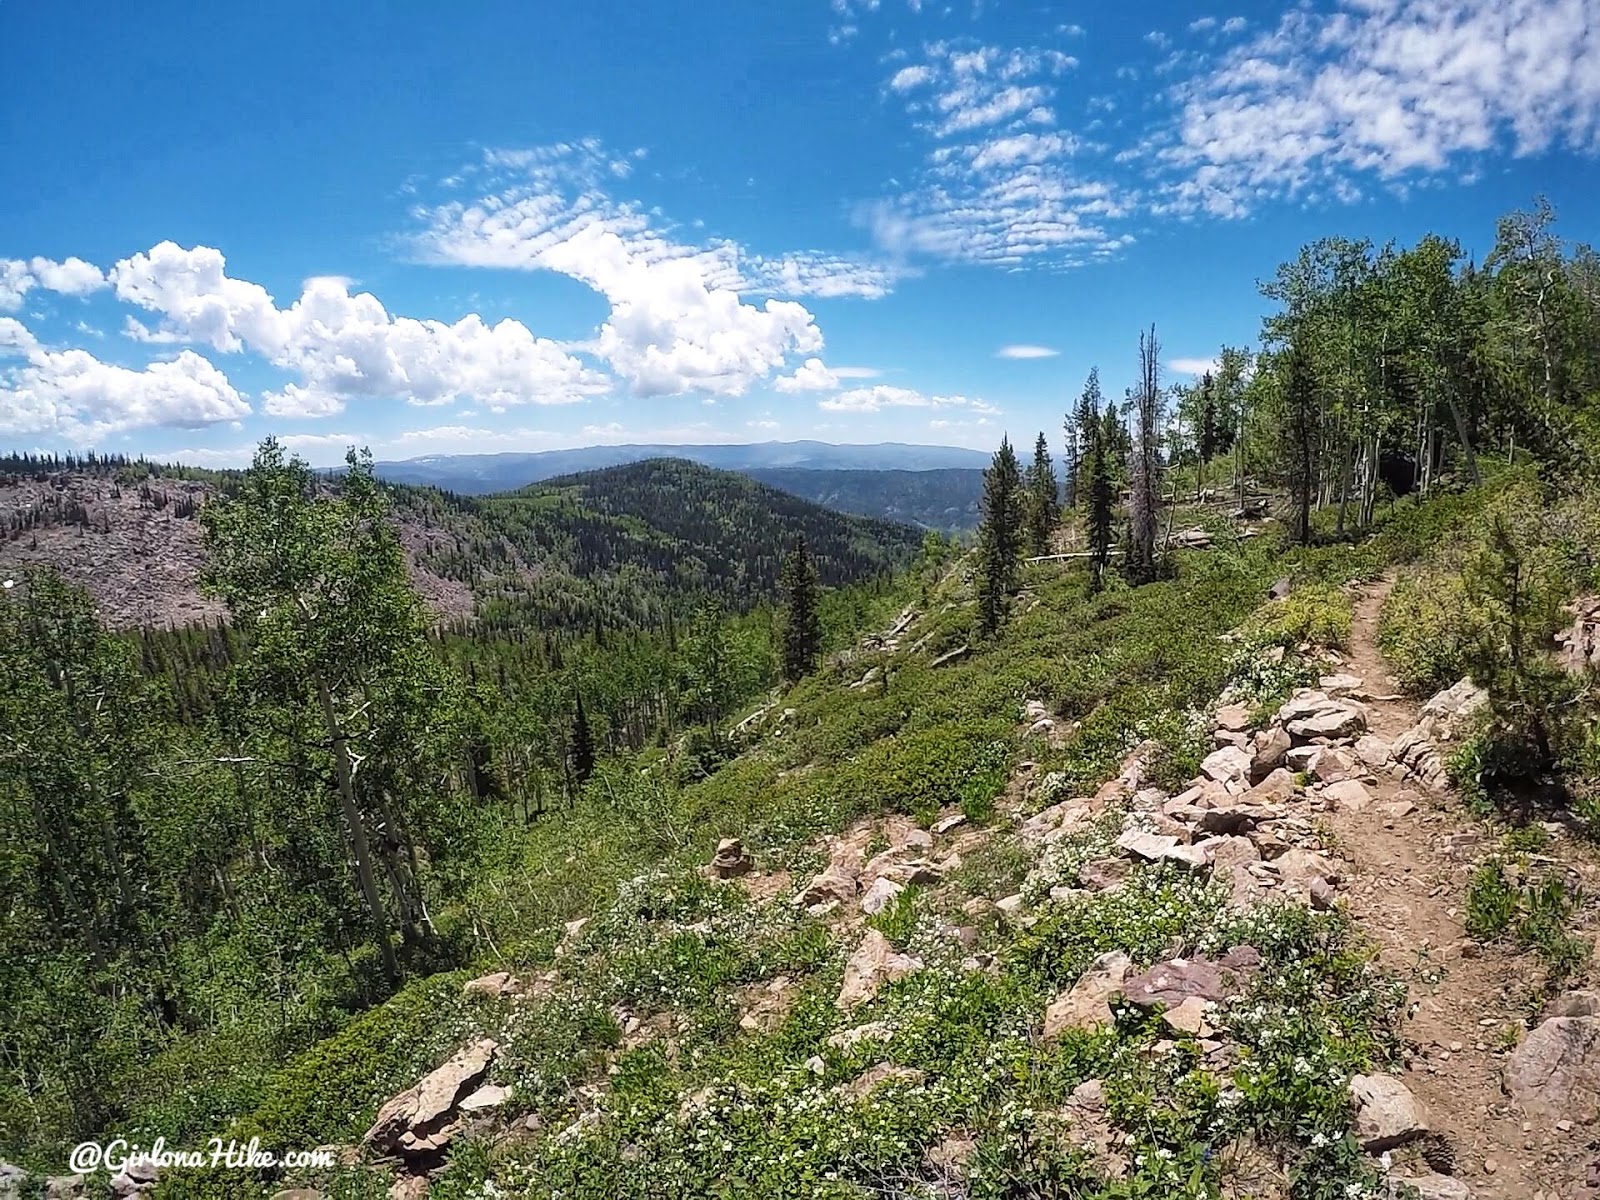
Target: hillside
[634,541]
[476,474]
[945,499]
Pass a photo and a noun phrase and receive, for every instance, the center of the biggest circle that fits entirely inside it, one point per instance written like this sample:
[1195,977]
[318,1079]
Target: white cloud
[71,277]
[908,79]
[71,394]
[1024,351]
[1202,24]
[811,376]
[882,396]
[680,321]
[1191,366]
[1383,88]
[856,372]
[1234,25]
[345,346]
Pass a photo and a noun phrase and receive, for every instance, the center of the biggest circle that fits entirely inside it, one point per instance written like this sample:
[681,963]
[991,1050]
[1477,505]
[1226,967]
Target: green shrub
[922,772]
[1317,614]
[1491,902]
[898,919]
[1428,631]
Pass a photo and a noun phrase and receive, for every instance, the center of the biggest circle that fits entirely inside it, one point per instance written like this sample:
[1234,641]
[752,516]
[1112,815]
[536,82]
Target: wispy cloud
[1024,351]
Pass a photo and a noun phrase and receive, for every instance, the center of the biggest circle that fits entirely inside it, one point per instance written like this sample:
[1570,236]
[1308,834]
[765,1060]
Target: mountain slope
[945,498]
[627,542]
[477,474]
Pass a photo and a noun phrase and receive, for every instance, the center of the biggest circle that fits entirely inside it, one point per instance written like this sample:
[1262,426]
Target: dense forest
[252,863]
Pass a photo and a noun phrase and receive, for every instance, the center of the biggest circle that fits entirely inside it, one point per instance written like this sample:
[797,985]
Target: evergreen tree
[582,745]
[1299,435]
[1042,501]
[999,537]
[802,620]
[1083,429]
[1144,501]
[1100,492]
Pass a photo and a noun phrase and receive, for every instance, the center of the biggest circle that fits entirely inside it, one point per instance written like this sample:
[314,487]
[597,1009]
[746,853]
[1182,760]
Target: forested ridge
[737,847]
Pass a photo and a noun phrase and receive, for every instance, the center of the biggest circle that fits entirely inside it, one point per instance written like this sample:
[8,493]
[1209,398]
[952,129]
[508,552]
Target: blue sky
[500,226]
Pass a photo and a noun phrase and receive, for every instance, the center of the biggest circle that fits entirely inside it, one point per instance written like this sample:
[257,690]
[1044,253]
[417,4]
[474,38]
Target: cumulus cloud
[882,396]
[811,376]
[72,277]
[344,346]
[1024,351]
[681,318]
[1383,89]
[73,395]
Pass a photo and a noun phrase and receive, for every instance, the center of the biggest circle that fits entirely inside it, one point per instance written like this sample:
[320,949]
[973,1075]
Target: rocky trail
[1412,851]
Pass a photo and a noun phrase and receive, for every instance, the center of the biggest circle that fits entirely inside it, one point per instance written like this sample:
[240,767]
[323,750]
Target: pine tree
[999,537]
[582,745]
[802,622]
[1299,438]
[1100,492]
[1146,466]
[1083,428]
[1042,500]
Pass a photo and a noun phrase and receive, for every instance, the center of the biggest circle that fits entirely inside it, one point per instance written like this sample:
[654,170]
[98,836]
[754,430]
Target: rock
[1032,710]
[1042,727]
[1374,751]
[1576,1004]
[1322,894]
[1230,818]
[1161,847]
[1399,808]
[1231,763]
[1447,713]
[1010,906]
[837,883]
[136,1177]
[409,1187]
[68,1187]
[423,1118]
[730,860]
[1171,983]
[950,1157]
[875,964]
[1056,821]
[1347,795]
[1341,684]
[1276,788]
[1331,766]
[1580,641]
[1299,867]
[1189,1017]
[1303,759]
[1386,1113]
[487,1098]
[1270,750]
[1087,1002]
[871,1031]
[12,1177]
[1429,1187]
[1103,874]
[1281,587]
[872,1079]
[1556,1070]
[1333,722]
[1233,718]
[945,824]
[493,986]
[880,895]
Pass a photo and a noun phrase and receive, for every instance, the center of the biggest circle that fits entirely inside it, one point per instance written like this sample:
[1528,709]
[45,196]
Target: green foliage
[999,538]
[1538,912]
[802,623]
[1429,631]
[898,919]
[1315,614]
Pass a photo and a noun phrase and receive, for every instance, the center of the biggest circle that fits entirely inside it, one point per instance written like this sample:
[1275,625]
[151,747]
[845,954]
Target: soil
[1410,894]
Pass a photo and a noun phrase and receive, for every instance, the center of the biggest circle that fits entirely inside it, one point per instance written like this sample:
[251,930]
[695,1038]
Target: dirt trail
[1411,895]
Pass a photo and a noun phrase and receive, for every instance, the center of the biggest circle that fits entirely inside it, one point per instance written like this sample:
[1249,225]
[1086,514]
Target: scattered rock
[875,964]
[1087,1002]
[1576,1004]
[1341,684]
[1233,718]
[1347,795]
[1189,1017]
[493,986]
[1271,748]
[730,860]
[424,1118]
[1430,1187]
[1386,1113]
[1103,874]
[872,1079]
[1229,764]
[945,824]
[837,883]
[1556,1070]
[880,895]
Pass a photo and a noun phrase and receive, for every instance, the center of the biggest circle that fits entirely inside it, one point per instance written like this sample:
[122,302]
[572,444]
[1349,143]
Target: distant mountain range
[477,474]
[934,487]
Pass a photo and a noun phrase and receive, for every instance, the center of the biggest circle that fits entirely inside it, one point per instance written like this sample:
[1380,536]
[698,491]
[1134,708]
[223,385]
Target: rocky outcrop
[424,1119]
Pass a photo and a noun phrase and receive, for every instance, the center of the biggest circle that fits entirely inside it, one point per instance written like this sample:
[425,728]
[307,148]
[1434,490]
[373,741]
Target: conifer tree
[1146,465]
[1042,500]
[1083,429]
[1299,429]
[582,745]
[999,537]
[1100,492]
[802,622]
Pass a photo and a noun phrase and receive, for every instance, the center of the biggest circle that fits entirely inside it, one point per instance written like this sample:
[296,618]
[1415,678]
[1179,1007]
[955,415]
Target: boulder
[1447,714]
[1188,1018]
[1056,821]
[1270,749]
[12,1177]
[880,895]
[1103,874]
[730,860]
[1576,1004]
[1087,1003]
[837,883]
[486,1099]
[1556,1071]
[1336,721]
[493,986]
[1233,718]
[1386,1113]
[875,964]
[1276,788]
[424,1118]
[1341,684]
[1429,1187]
[1171,983]
[1229,764]
[1373,751]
